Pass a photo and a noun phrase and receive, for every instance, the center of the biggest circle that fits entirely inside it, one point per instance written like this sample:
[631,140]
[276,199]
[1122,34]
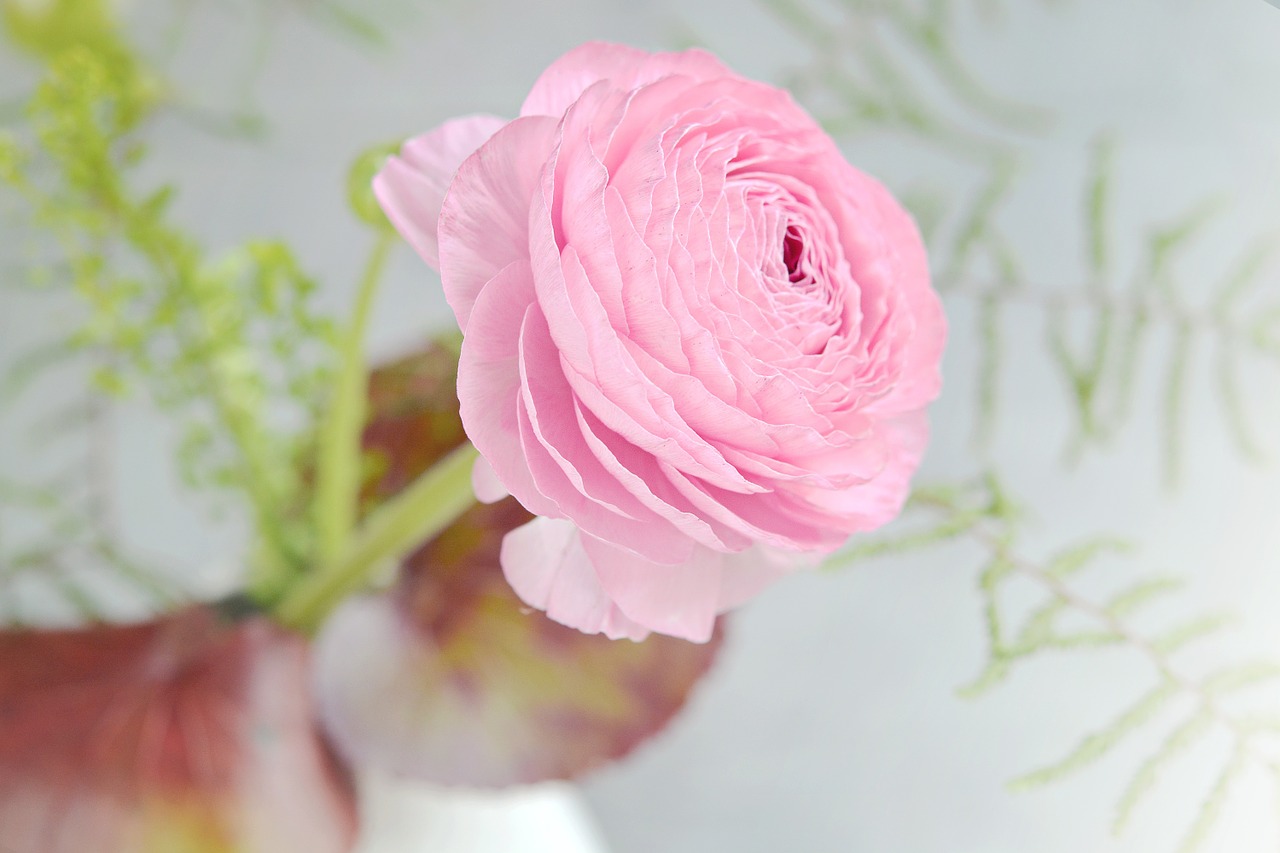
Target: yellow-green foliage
[230,344]
[53,30]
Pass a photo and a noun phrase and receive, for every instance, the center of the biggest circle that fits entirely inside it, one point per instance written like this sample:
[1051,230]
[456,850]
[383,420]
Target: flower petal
[626,67]
[683,600]
[484,221]
[546,565]
[489,383]
[485,482]
[411,188]
[919,378]
[680,600]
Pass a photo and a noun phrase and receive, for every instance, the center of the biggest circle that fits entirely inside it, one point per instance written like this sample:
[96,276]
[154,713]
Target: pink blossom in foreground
[698,344]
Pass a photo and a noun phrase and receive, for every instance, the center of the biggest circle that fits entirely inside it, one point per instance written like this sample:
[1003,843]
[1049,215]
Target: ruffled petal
[681,600]
[484,221]
[684,600]
[919,380]
[489,383]
[625,67]
[870,505]
[545,563]
[411,188]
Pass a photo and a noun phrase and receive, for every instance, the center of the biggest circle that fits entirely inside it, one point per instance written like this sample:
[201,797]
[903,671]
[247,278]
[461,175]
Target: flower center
[792,251]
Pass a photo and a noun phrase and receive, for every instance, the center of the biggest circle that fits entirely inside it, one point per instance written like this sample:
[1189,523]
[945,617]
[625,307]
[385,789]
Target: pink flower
[697,342]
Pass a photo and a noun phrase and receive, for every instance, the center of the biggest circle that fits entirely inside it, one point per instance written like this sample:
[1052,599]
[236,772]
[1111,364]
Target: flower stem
[430,504]
[339,455]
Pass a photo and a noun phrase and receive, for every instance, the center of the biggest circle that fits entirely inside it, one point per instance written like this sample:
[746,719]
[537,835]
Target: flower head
[698,343]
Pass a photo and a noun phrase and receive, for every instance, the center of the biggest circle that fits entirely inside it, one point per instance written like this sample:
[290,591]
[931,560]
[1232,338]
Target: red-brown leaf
[181,735]
[449,677]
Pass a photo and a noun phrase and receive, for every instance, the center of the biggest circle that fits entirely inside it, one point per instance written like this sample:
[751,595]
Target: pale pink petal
[689,322]
[411,188]
[566,471]
[920,379]
[868,506]
[680,600]
[625,67]
[484,221]
[546,565]
[489,383]
[683,600]
[485,482]
[748,574]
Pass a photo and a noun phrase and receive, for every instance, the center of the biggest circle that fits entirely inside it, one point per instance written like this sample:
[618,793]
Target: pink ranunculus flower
[697,342]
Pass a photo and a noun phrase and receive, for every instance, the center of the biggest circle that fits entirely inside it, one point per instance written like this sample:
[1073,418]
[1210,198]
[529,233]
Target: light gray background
[831,722]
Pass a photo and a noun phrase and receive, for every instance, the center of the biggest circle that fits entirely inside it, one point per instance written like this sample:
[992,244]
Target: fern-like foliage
[891,68]
[1129,319]
[230,345]
[1192,705]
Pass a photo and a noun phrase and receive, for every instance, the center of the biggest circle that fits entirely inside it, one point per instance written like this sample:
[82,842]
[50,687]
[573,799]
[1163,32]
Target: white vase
[410,817]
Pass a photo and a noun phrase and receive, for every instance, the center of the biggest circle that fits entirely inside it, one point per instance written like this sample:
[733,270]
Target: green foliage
[268,393]
[854,66]
[230,345]
[1100,743]
[1123,322]
[71,533]
[48,29]
[1192,706]
[360,197]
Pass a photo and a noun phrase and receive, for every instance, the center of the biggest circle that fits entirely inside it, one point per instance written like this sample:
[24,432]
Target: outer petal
[545,563]
[411,188]
[920,378]
[485,482]
[626,67]
[683,601]
[484,222]
[873,504]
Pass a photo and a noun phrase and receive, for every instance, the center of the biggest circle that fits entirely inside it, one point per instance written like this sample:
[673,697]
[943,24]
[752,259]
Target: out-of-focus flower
[448,677]
[698,344]
[181,734]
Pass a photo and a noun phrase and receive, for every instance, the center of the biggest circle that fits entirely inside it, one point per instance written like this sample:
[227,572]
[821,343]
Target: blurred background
[1100,186]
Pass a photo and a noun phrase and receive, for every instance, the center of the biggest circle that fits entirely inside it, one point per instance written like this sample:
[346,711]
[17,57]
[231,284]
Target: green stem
[339,457]
[419,513]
